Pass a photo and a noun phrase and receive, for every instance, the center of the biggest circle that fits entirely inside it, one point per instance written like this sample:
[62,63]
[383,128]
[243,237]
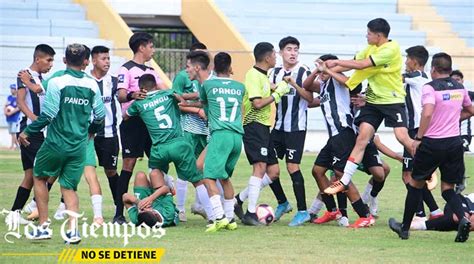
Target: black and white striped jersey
[414,82]
[291,114]
[34,101]
[336,106]
[466,124]
[108,89]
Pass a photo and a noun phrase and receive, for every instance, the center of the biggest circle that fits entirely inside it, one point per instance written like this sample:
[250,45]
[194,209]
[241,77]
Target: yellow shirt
[385,78]
[257,85]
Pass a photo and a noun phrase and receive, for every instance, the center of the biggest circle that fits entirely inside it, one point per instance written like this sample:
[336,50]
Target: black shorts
[135,138]
[371,158]
[407,158]
[107,150]
[289,145]
[28,154]
[447,154]
[337,150]
[258,144]
[393,114]
[466,141]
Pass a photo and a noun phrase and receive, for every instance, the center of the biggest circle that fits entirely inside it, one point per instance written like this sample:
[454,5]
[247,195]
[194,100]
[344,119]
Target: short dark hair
[326,57]
[99,49]
[457,73]
[200,57]
[418,53]
[198,45]
[147,218]
[147,82]
[75,54]
[43,49]
[88,52]
[261,50]
[442,63]
[138,39]
[288,40]
[379,25]
[222,62]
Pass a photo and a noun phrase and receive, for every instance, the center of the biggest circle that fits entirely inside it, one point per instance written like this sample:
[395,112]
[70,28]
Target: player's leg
[365,218]
[107,150]
[319,173]
[277,148]
[90,174]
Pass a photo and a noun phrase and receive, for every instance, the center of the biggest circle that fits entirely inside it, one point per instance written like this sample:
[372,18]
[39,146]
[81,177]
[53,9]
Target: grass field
[277,243]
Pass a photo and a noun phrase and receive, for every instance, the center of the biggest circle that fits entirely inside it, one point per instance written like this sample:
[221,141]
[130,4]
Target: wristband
[129,96]
[417,138]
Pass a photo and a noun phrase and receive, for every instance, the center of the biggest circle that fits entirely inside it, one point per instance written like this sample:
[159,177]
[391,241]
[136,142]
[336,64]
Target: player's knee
[128,164]
[110,173]
[292,167]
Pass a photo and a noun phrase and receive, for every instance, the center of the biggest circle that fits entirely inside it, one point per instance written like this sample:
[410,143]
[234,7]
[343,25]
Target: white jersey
[414,82]
[108,89]
[336,106]
[292,111]
[34,101]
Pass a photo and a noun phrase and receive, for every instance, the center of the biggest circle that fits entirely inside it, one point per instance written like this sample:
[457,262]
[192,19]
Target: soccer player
[466,125]
[380,63]
[12,114]
[257,121]
[223,98]
[30,101]
[193,120]
[160,113]
[414,79]
[152,203]
[133,132]
[70,98]
[438,145]
[289,133]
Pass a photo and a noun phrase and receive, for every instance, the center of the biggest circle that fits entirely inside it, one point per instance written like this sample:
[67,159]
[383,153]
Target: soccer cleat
[14,218]
[182,216]
[343,221]
[464,227]
[232,225]
[397,228]
[282,209]
[198,211]
[30,207]
[73,238]
[335,188]
[300,218]
[313,217]
[217,225]
[238,211]
[119,220]
[432,182]
[251,219]
[363,222]
[327,217]
[59,215]
[41,232]
[373,205]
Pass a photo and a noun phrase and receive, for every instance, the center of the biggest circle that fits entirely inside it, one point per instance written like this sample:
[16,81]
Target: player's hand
[320,65]
[139,95]
[23,139]
[145,203]
[202,114]
[24,76]
[359,100]
[414,146]
[281,89]
[289,80]
[331,63]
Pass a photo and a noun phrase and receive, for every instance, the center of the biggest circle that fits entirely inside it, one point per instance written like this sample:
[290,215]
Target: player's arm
[281,89]
[306,95]
[386,150]
[428,102]
[25,77]
[129,200]
[98,111]
[124,95]
[350,64]
[315,103]
[311,83]
[191,96]
[20,100]
[158,184]
[132,110]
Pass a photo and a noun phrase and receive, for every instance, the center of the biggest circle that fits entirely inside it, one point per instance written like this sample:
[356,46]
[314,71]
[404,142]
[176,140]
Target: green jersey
[160,113]
[224,97]
[70,97]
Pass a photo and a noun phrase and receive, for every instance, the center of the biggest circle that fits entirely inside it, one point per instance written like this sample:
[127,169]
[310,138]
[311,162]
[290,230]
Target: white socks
[97,205]
[217,206]
[244,194]
[317,205]
[266,180]
[229,209]
[203,196]
[349,170]
[255,184]
[181,191]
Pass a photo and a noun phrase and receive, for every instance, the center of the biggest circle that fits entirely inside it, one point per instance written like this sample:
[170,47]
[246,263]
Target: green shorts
[222,155]
[90,154]
[164,205]
[181,154]
[198,142]
[67,167]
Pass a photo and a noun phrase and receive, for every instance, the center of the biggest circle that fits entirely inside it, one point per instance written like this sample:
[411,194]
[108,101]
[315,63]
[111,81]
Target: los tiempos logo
[109,230]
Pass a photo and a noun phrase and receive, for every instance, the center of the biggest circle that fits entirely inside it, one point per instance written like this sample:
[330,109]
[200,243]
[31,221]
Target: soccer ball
[265,214]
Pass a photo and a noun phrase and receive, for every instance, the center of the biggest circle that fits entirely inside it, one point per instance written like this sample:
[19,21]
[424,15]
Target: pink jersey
[128,77]
[448,97]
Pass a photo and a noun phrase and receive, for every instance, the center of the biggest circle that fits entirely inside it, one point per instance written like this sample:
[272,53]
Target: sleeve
[359,76]
[467,100]
[123,78]
[49,111]
[114,86]
[253,86]
[133,109]
[179,83]
[19,83]
[202,92]
[383,56]
[362,54]
[428,95]
[98,110]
